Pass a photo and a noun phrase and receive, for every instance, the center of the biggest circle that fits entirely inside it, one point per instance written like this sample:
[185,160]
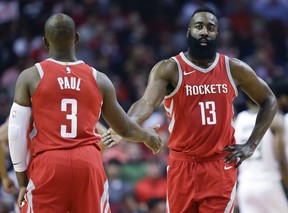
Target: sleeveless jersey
[200,108]
[66,106]
[262,165]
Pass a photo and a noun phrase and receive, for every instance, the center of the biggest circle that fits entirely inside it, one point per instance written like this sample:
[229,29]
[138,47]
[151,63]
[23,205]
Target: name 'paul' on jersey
[200,108]
[66,106]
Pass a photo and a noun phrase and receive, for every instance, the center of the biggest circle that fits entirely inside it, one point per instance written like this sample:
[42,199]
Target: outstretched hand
[238,153]
[109,139]
[154,141]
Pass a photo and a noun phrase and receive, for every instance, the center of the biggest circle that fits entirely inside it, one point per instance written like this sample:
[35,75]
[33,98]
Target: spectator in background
[156,205]
[134,169]
[119,188]
[152,185]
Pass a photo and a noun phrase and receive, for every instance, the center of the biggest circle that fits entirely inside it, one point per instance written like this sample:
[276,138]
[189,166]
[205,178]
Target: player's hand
[20,200]
[154,141]
[238,153]
[9,186]
[109,139]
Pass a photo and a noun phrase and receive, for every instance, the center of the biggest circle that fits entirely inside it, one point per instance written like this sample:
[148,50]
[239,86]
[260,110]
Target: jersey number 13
[208,113]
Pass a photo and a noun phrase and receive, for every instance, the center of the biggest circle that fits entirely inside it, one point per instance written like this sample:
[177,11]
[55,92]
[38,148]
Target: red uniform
[66,174]
[200,110]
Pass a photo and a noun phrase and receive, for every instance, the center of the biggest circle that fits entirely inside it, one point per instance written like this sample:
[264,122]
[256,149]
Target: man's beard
[199,52]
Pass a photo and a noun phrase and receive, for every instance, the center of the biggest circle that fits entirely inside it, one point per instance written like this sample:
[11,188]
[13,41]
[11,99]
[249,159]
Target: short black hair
[204,9]
[60,28]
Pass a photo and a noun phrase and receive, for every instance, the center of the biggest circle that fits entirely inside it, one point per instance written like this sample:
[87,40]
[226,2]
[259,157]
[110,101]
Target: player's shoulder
[241,71]
[103,81]
[165,68]
[100,75]
[28,73]
[238,65]
[169,64]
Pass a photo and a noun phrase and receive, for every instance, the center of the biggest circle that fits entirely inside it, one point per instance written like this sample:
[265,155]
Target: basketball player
[280,88]
[260,188]
[7,183]
[198,88]
[65,97]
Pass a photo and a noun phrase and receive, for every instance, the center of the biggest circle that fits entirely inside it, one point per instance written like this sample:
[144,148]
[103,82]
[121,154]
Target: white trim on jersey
[94,72]
[205,70]
[171,115]
[230,206]
[29,196]
[105,199]
[228,70]
[65,63]
[167,201]
[40,70]
[170,109]
[179,80]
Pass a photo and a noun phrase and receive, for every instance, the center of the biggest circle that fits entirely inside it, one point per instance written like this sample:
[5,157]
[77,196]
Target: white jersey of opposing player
[262,165]
[260,189]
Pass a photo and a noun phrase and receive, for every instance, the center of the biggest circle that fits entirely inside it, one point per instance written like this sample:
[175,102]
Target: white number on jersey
[72,117]
[208,113]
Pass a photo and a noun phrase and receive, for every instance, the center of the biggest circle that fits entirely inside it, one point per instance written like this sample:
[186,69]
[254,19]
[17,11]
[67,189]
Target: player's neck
[65,56]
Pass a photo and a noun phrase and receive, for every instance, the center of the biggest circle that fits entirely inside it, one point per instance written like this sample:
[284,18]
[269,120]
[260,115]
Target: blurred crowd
[124,39]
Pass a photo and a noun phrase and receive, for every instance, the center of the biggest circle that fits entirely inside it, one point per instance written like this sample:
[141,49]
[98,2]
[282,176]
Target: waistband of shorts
[186,157]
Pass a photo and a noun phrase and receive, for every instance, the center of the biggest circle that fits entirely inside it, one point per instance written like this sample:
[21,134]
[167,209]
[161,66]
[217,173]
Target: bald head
[59,29]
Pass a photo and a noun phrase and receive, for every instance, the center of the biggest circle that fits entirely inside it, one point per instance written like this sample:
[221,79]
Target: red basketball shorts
[197,185]
[71,180]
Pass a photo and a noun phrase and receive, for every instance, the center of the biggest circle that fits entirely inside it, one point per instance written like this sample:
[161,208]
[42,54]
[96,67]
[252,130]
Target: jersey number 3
[208,113]
[72,117]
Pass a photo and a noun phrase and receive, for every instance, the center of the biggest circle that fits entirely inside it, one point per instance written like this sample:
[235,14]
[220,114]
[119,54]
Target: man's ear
[45,42]
[188,31]
[77,37]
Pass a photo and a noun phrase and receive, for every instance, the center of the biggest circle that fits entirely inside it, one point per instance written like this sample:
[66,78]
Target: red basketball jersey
[65,106]
[200,108]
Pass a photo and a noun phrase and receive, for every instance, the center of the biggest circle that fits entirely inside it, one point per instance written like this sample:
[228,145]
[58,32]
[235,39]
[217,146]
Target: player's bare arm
[163,75]
[260,93]
[118,120]
[24,89]
[162,78]
[7,183]
[3,143]
[277,128]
